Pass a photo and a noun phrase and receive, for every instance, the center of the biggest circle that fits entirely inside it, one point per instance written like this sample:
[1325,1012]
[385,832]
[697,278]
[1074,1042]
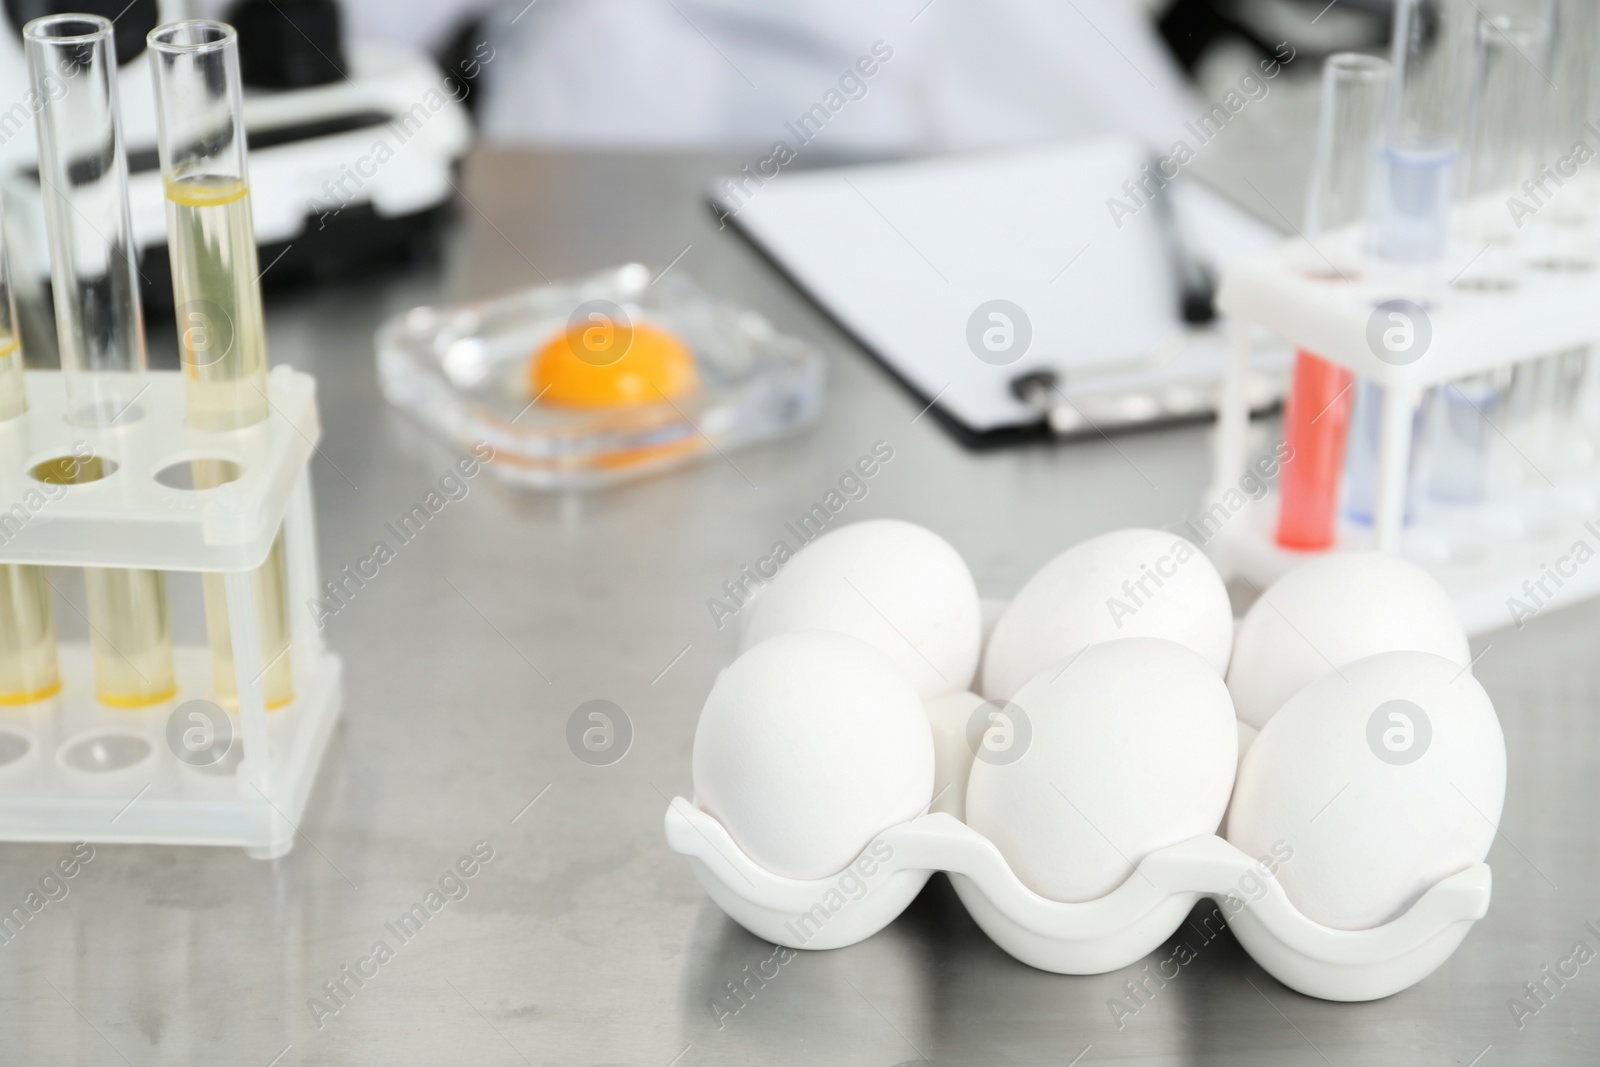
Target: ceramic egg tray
[1091,937]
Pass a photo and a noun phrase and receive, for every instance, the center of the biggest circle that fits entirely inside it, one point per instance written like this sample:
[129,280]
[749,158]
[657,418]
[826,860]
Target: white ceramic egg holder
[73,769]
[1092,937]
[1488,308]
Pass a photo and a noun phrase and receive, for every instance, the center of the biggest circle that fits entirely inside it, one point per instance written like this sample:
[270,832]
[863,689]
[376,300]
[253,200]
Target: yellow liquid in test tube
[129,628]
[27,636]
[27,624]
[133,639]
[222,341]
[220,332]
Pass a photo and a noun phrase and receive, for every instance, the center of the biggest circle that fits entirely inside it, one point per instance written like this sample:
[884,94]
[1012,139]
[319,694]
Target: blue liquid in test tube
[1433,56]
[1415,190]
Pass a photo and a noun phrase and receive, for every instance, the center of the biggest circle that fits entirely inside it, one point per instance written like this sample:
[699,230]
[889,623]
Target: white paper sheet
[903,255]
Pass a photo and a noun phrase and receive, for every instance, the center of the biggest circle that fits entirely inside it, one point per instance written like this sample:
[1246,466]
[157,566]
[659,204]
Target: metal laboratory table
[583,940]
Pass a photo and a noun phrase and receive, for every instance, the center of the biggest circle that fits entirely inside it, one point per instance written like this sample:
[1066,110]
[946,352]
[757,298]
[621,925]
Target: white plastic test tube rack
[73,769]
[1486,307]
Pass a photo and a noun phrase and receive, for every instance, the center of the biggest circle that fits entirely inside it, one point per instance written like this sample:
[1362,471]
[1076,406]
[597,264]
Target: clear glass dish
[462,371]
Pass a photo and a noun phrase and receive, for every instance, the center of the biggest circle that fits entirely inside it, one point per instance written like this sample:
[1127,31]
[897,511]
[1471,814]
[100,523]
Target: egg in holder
[752,841]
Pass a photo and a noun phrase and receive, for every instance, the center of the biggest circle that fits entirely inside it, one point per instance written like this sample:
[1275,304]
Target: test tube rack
[1487,306]
[73,769]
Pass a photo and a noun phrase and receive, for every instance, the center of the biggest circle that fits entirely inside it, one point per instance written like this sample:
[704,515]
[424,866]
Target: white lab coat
[959,73]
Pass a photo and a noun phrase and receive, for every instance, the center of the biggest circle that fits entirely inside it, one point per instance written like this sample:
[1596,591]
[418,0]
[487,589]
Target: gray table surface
[584,940]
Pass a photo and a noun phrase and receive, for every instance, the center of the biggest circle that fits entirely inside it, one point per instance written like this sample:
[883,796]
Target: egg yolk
[610,366]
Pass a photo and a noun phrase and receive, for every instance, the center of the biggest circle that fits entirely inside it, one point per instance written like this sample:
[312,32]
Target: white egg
[809,746]
[1331,611]
[950,716]
[1128,583]
[1247,736]
[989,612]
[1129,748]
[898,587]
[1379,781]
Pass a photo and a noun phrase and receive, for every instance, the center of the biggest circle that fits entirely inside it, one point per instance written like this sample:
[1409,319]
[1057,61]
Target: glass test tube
[27,623]
[83,175]
[1502,137]
[1574,81]
[1355,94]
[221,335]
[13,400]
[1362,457]
[1504,127]
[1355,90]
[1563,187]
[1432,59]
[1462,439]
[1543,418]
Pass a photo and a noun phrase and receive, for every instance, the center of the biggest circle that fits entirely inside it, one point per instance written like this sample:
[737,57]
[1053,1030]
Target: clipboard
[971,276]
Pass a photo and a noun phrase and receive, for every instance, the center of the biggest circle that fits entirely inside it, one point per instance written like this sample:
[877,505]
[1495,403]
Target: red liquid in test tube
[1315,424]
